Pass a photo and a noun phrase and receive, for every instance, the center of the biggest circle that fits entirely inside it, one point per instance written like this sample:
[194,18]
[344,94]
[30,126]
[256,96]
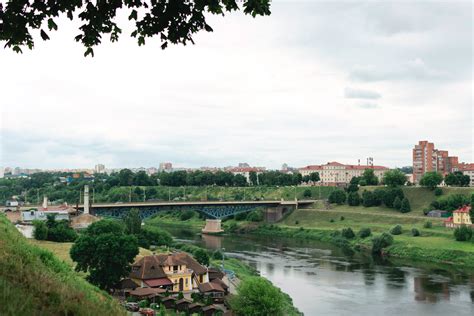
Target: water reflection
[325,280]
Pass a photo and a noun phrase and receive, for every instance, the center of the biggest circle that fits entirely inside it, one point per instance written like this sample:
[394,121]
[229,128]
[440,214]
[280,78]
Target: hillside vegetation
[34,282]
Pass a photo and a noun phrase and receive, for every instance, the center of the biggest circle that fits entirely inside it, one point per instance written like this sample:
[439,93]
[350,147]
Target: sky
[313,82]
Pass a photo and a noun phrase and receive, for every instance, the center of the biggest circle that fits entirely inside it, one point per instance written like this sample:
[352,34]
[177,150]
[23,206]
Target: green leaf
[52,25]
[133,15]
[44,36]
[89,51]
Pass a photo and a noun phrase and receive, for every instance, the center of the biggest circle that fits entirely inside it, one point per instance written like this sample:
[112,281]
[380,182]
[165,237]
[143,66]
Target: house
[42,214]
[169,302]
[175,272]
[211,310]
[182,305]
[195,308]
[213,289]
[460,217]
[142,293]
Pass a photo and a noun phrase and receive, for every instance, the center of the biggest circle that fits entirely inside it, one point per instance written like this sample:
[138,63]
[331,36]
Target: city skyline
[297,88]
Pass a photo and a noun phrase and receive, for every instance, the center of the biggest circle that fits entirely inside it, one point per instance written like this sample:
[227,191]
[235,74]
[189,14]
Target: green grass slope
[34,282]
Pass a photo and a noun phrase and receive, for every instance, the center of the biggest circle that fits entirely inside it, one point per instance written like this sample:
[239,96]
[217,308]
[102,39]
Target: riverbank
[435,244]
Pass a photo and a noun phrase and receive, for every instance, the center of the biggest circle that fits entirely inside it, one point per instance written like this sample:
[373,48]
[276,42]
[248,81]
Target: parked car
[132,307]
[147,311]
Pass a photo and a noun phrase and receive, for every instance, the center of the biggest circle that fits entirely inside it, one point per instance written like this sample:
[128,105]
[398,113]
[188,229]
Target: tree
[380,242]
[451,179]
[173,21]
[391,194]
[353,199]
[365,232]
[257,296]
[472,207]
[397,203]
[396,230]
[314,176]
[463,233]
[133,222]
[240,180]
[405,206]
[457,179]
[125,177]
[394,178]
[431,180]
[40,231]
[201,256]
[368,198]
[253,178]
[105,252]
[347,233]
[415,232]
[369,177]
[337,196]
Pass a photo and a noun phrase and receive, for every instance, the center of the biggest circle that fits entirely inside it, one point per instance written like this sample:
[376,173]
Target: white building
[468,169]
[2,172]
[40,215]
[99,168]
[245,171]
[335,173]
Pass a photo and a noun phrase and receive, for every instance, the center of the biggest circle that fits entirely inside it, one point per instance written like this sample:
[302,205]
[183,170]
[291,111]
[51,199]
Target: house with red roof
[461,216]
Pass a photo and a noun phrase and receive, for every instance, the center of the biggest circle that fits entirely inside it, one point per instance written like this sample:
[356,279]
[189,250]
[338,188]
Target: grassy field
[33,281]
[420,198]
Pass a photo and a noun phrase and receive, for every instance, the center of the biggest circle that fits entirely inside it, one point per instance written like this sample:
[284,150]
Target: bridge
[211,209]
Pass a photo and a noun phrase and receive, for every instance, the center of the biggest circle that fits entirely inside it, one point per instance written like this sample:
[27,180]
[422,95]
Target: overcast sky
[314,82]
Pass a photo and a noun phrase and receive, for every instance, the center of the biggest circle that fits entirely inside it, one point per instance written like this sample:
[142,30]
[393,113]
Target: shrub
[463,233]
[240,216]
[438,191]
[428,225]
[143,303]
[342,218]
[368,199]
[347,233]
[186,215]
[396,230]
[415,232]
[40,231]
[331,220]
[307,193]
[450,202]
[397,203]
[405,206]
[337,196]
[380,242]
[255,216]
[217,255]
[201,256]
[391,194]
[297,222]
[353,199]
[365,232]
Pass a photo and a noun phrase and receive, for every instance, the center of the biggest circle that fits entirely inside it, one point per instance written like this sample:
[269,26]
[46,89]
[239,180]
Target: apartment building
[335,173]
[468,169]
[427,158]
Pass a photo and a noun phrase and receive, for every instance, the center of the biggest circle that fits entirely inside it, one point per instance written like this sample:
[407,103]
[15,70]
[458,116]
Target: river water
[322,280]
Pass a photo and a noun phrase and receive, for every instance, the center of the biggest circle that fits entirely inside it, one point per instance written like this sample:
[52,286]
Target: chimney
[45,202]
[86,199]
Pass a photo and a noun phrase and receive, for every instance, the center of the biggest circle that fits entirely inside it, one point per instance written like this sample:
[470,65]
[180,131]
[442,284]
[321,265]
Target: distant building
[42,215]
[151,170]
[99,168]
[245,171]
[468,169]
[165,167]
[2,172]
[335,173]
[426,158]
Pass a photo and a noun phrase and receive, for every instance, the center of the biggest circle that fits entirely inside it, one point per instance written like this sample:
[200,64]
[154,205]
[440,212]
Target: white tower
[86,199]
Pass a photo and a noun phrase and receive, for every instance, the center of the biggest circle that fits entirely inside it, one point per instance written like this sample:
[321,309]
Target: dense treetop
[172,21]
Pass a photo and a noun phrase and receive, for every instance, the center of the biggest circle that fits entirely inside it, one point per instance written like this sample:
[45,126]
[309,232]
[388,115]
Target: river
[322,280]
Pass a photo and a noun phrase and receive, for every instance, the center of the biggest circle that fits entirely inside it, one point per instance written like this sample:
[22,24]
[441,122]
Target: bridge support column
[273,214]
[213,226]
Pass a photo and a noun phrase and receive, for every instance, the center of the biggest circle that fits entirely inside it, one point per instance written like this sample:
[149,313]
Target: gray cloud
[350,93]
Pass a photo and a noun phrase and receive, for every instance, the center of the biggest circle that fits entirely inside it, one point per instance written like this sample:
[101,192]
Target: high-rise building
[99,168]
[2,172]
[427,158]
[166,166]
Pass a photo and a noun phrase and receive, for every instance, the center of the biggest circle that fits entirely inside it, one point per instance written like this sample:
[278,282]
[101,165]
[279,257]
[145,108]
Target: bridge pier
[273,214]
[213,226]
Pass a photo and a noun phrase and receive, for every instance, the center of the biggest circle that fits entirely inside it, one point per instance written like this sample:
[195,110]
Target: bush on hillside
[240,216]
[365,232]
[405,206]
[397,203]
[353,199]
[368,199]
[379,196]
[347,233]
[391,194]
[255,216]
[428,225]
[217,255]
[307,193]
[450,202]
[415,232]
[201,256]
[337,196]
[342,218]
[40,230]
[381,242]
[396,230]
[463,233]
[438,191]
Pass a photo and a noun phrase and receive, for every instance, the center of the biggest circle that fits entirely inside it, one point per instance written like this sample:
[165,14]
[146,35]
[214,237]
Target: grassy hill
[34,282]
